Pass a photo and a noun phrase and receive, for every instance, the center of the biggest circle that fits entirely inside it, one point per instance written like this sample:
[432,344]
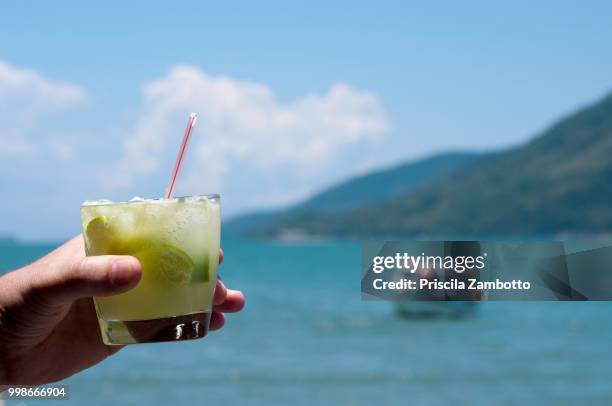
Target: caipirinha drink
[177,244]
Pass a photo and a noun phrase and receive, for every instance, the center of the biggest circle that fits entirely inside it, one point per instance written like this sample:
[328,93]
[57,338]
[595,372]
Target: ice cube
[96,202]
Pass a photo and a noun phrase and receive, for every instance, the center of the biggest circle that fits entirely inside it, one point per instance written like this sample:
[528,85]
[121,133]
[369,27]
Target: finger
[220,293]
[66,281]
[217,320]
[220,255]
[234,302]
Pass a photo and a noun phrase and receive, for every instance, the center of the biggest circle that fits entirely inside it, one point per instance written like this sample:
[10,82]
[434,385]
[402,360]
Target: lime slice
[100,235]
[203,274]
[167,262]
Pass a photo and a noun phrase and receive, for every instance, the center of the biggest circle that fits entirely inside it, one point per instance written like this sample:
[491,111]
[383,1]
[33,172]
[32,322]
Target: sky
[292,98]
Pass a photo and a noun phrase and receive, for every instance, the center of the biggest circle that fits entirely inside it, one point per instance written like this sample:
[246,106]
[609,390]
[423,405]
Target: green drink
[177,244]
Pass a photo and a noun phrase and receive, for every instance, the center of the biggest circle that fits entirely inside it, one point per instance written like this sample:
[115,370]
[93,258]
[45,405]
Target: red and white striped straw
[193,117]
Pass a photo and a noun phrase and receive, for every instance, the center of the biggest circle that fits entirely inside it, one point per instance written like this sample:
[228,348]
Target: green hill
[561,182]
[384,184]
[357,192]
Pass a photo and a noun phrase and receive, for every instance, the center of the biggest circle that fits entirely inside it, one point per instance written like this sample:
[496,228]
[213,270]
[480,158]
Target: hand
[48,324]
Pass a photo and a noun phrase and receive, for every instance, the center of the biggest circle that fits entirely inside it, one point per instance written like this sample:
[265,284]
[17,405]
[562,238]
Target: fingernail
[124,271]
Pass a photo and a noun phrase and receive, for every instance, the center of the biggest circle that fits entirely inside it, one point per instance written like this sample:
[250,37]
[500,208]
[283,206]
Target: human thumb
[105,275]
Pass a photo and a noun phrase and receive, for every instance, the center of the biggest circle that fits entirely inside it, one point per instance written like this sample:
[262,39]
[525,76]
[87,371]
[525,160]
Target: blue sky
[291,98]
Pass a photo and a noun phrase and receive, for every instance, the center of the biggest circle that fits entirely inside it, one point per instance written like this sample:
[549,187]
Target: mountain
[384,184]
[244,224]
[560,182]
[356,192]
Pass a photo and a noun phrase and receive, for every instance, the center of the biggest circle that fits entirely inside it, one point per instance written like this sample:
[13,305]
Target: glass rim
[215,197]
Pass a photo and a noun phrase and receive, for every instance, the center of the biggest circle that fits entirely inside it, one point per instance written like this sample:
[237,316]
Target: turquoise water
[305,337]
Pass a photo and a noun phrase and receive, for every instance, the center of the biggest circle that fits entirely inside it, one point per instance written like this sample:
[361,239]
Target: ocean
[305,337]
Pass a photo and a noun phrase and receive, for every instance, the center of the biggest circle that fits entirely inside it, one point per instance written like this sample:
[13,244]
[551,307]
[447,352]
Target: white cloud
[25,96]
[245,132]
[26,92]
[252,148]
[42,165]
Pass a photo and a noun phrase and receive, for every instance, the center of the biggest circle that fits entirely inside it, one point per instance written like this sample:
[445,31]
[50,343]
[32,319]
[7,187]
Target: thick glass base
[187,327]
